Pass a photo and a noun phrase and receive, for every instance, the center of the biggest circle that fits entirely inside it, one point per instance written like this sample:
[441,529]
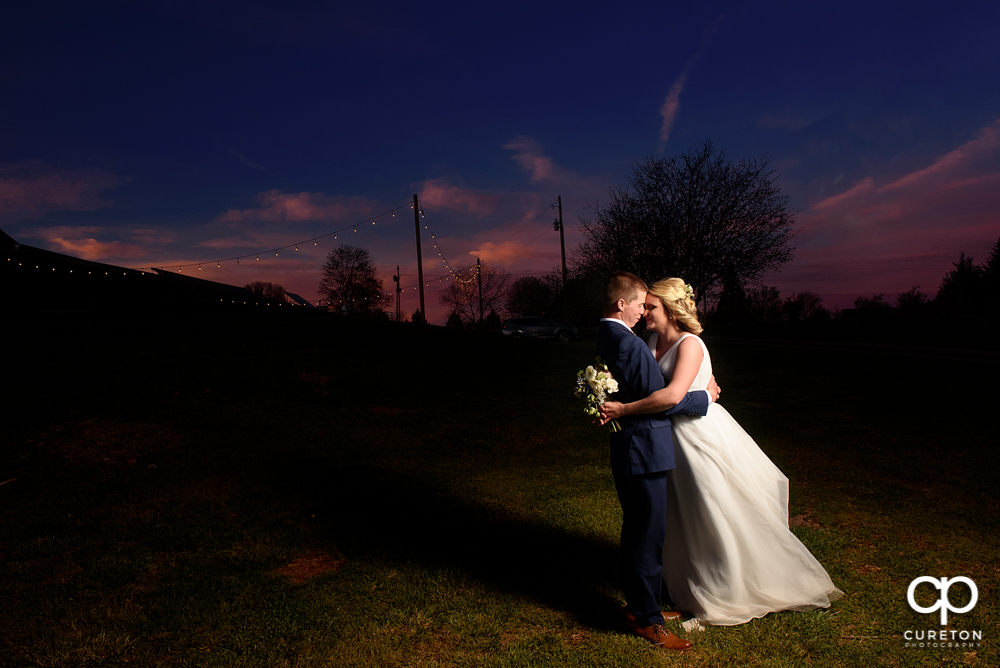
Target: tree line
[719,224]
[968,289]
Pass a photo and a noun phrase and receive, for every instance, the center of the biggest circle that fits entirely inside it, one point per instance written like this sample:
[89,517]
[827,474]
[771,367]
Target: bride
[729,556]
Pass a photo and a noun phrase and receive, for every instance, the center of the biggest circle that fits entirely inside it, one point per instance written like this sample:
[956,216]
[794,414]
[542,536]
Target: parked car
[535,327]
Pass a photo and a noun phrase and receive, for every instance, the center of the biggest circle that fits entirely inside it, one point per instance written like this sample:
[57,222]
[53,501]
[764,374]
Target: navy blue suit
[641,454]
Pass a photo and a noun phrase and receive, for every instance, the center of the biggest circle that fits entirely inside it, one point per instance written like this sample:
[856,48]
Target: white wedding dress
[729,556]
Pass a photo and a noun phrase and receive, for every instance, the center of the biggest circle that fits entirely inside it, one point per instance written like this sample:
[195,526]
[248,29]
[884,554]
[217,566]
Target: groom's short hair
[622,285]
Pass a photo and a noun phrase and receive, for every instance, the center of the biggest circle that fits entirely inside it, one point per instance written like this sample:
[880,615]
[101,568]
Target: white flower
[693,624]
[612,386]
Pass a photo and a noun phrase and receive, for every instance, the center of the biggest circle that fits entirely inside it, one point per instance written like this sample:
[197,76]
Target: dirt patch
[312,565]
[803,520]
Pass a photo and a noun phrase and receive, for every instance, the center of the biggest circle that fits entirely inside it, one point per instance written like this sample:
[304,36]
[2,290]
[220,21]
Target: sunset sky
[159,133]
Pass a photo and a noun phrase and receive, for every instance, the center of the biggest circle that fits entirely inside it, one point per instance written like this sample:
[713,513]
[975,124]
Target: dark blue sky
[160,133]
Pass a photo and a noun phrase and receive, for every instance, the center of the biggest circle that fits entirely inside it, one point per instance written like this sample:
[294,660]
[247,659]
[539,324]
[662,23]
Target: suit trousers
[643,499]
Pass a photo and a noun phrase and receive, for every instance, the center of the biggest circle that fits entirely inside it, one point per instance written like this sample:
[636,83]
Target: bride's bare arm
[689,357]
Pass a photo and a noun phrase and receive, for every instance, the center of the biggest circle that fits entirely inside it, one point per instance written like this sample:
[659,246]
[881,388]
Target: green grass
[321,492]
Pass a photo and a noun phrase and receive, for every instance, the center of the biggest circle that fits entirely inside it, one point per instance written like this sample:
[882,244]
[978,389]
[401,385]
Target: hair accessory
[689,291]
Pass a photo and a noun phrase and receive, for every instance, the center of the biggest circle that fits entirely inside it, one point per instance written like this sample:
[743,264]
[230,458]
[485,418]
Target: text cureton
[946,634]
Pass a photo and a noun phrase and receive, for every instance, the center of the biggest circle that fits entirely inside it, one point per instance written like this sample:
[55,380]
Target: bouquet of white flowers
[593,385]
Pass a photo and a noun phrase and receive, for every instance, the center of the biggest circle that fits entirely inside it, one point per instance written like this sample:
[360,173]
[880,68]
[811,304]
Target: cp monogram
[943,603]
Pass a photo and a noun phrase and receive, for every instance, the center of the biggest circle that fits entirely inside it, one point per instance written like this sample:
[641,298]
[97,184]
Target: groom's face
[632,311]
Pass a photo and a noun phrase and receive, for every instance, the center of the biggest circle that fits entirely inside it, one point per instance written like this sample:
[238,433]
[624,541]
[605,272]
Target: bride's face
[656,315]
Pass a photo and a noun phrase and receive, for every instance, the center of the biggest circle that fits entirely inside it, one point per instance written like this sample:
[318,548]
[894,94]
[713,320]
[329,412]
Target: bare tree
[266,290]
[804,305]
[350,280]
[697,216]
[765,303]
[476,290]
[529,295]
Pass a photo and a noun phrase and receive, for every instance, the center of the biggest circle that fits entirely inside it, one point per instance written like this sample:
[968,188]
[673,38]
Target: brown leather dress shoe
[661,637]
[668,615]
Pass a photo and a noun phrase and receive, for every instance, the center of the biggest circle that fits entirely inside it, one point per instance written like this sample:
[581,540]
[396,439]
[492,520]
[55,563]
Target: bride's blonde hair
[674,295]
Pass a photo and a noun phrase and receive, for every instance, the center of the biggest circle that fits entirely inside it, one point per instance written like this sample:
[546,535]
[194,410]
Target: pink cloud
[82,242]
[279,207]
[886,235]
[529,155]
[955,197]
[513,252]
[862,188]
[543,169]
[437,194]
[966,160]
[32,189]
[670,106]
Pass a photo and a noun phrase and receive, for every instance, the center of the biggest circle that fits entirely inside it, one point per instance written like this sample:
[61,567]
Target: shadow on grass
[216,381]
[380,514]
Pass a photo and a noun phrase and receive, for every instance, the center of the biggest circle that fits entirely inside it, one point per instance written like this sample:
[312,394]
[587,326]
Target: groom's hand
[610,410]
[713,389]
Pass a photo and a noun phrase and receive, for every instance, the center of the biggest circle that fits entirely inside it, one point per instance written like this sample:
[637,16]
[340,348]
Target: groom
[641,455]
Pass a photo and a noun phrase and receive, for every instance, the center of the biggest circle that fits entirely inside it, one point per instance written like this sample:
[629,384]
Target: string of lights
[444,260]
[453,274]
[314,241]
[456,276]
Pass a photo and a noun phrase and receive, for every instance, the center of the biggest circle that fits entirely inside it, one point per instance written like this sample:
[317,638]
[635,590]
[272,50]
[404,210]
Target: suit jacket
[645,443]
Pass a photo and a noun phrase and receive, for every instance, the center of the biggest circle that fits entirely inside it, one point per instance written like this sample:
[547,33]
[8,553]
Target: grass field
[324,492]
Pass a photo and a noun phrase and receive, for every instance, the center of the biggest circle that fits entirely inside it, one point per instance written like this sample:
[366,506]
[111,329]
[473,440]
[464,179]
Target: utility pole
[479,277]
[562,239]
[558,224]
[399,288]
[420,262]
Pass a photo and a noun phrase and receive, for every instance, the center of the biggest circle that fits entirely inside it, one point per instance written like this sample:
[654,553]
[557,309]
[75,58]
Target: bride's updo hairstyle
[673,296]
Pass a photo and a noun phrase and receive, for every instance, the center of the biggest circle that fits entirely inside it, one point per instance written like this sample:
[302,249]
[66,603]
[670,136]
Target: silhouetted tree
[472,295]
[419,318]
[963,288]
[454,320]
[493,322]
[695,216]
[872,306]
[765,303]
[580,302]
[991,278]
[350,280]
[911,301]
[803,306]
[266,290]
[529,295]
[733,307]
